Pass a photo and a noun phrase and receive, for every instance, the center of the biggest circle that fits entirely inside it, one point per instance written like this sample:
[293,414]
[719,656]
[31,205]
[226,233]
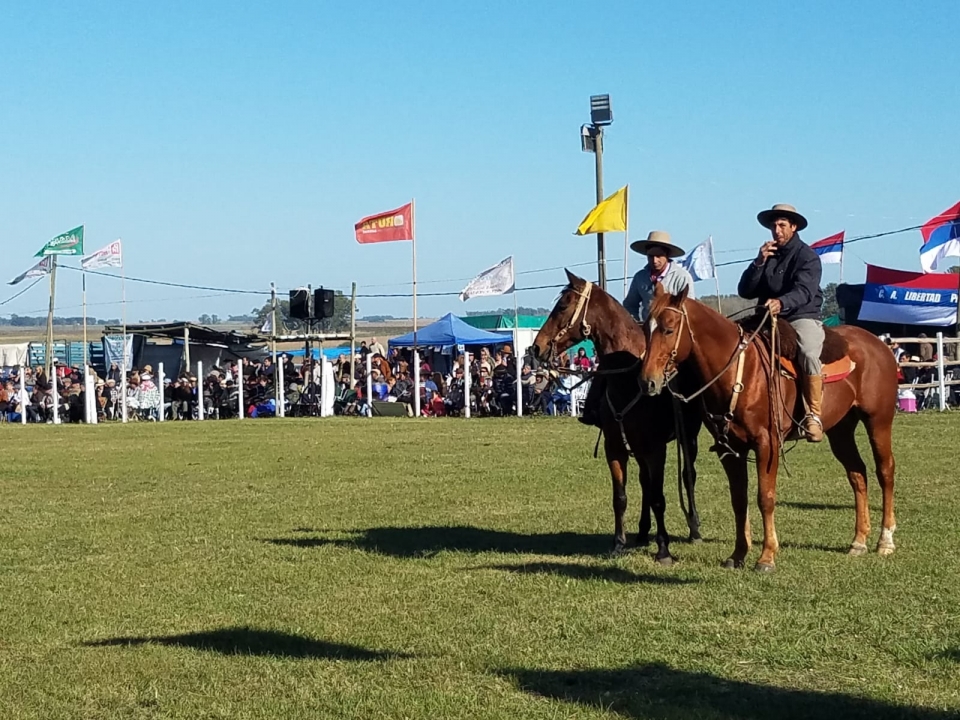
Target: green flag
[69,243]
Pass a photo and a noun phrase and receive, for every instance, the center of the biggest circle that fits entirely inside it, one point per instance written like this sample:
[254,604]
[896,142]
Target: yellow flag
[608,216]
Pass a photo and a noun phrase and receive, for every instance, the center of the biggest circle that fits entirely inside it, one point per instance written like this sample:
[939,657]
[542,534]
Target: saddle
[835,356]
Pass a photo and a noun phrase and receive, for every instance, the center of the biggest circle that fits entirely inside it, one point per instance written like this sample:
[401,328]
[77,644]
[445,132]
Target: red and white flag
[388,226]
[109,256]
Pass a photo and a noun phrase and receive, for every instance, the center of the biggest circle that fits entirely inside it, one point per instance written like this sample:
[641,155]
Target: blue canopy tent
[450,330]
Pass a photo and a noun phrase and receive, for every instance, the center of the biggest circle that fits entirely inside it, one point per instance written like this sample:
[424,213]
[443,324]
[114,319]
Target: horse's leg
[656,461]
[768,464]
[617,459]
[880,433]
[690,476]
[643,534]
[843,443]
[736,469]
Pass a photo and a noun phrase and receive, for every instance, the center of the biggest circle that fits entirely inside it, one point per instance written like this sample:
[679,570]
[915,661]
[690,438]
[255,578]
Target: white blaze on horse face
[653,326]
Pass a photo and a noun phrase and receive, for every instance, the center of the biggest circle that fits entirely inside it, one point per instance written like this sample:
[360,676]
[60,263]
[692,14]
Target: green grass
[451,569]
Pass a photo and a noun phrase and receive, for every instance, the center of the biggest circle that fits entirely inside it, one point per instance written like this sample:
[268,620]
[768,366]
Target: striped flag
[830,249]
[941,238]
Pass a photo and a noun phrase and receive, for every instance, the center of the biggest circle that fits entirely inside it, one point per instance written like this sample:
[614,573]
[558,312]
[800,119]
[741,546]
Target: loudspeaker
[300,304]
[322,303]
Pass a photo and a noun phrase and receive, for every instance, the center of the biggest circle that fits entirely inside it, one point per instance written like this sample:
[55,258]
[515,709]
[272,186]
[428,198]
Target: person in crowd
[376,348]
[582,362]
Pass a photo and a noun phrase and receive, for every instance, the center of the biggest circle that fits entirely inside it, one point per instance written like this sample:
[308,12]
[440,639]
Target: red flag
[386,227]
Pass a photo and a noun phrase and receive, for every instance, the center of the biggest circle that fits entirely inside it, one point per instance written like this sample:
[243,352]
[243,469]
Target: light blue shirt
[638,299]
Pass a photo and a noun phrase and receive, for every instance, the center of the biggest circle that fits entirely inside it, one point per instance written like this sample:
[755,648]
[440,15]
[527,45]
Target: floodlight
[600,111]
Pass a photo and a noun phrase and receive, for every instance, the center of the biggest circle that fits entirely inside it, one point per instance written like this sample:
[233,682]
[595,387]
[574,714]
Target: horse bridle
[579,312]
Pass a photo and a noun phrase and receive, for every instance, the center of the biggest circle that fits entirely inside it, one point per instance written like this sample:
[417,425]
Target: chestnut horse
[745,410]
[646,424]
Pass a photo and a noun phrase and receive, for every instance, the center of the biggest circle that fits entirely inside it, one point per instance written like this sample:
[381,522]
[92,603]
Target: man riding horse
[785,277]
[659,270]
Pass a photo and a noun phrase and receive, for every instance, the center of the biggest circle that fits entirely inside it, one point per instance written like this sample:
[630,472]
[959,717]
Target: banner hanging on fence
[69,243]
[109,256]
[910,298]
[113,350]
[389,226]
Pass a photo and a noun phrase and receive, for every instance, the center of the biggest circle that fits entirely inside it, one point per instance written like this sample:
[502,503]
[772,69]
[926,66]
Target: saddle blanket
[832,372]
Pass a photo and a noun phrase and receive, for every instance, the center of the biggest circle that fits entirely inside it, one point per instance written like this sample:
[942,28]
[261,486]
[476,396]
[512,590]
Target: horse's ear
[573,279]
[682,295]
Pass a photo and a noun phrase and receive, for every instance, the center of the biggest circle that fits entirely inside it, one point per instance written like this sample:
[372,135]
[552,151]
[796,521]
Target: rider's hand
[766,250]
[774,305]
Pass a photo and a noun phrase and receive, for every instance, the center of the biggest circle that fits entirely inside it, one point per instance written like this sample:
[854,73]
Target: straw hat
[658,238]
[781,210]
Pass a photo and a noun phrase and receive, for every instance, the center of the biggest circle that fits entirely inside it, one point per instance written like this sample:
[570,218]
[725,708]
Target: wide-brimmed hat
[658,238]
[781,210]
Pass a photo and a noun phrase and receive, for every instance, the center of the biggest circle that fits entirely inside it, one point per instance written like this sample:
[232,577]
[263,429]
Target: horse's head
[567,324]
[669,340]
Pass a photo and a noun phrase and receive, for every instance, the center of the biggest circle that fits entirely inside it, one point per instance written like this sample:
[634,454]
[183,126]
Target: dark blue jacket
[792,276]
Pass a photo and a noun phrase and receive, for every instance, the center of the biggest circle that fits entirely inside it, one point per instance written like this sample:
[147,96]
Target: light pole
[591,140]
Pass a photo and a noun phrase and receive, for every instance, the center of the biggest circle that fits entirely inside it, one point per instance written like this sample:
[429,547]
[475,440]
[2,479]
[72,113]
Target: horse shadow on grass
[658,691]
[427,541]
[257,642]
[590,572]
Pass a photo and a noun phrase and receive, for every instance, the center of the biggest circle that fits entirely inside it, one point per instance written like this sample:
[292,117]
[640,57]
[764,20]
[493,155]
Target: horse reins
[738,356]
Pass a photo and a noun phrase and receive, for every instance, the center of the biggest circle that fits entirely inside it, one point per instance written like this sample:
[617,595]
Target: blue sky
[235,144]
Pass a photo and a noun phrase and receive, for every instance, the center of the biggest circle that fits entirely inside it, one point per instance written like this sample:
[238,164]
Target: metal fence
[943,367]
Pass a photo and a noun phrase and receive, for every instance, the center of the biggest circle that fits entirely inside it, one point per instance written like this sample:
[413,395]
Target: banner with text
[910,298]
[389,226]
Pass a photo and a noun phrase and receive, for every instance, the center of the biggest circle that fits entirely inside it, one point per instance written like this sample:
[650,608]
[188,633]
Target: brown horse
[633,423]
[745,410]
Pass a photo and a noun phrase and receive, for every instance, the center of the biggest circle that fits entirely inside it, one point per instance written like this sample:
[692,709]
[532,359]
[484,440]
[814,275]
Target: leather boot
[813,398]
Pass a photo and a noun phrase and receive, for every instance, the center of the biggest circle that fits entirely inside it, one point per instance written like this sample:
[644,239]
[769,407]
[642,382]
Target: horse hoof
[762,567]
[731,564]
[696,539]
[857,549]
[666,561]
[884,550]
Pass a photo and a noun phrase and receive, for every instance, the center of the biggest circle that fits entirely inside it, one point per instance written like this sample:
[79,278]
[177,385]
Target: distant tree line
[41,321]
[521,310]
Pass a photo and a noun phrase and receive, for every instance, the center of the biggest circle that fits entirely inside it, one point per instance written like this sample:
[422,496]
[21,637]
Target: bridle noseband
[579,312]
[670,369]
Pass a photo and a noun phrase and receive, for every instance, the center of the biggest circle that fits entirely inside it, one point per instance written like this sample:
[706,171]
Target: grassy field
[451,569]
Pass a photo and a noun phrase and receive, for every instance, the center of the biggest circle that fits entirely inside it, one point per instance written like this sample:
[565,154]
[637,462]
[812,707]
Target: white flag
[39,270]
[497,280]
[267,327]
[109,256]
[699,261]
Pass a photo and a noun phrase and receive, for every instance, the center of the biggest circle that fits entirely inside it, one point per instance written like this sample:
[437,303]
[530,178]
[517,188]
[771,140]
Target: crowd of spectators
[492,392]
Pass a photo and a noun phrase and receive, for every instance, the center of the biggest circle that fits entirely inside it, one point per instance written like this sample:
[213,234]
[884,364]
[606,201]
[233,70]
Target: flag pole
[841,264]
[123,369]
[716,277]
[84,274]
[53,291]
[626,241]
[516,344]
[416,359]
